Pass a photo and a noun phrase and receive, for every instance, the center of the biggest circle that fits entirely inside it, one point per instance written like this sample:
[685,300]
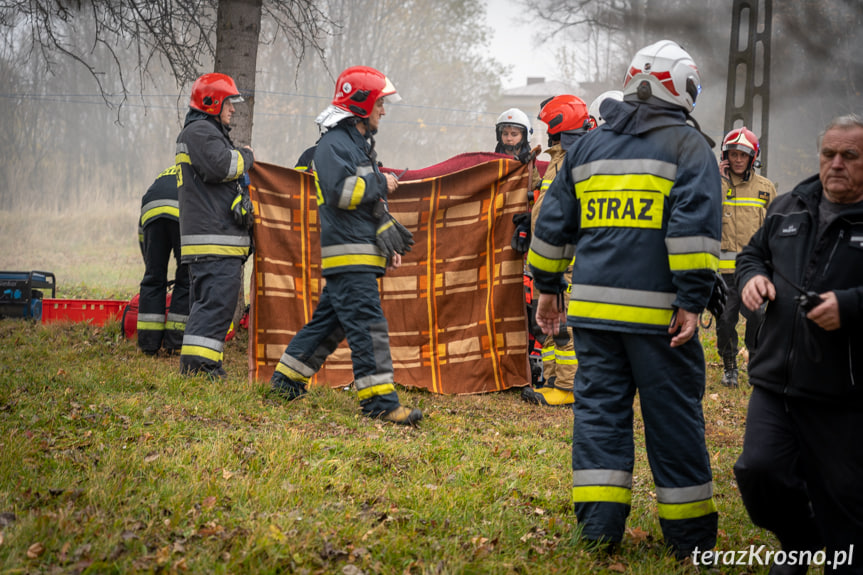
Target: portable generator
[21,293]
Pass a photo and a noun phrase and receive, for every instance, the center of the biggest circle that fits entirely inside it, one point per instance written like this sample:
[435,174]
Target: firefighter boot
[729,377]
[286,388]
[548,395]
[403,416]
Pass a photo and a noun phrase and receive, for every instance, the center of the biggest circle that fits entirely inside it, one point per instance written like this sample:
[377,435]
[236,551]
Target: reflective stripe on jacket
[640,198]
[210,167]
[349,185]
[744,207]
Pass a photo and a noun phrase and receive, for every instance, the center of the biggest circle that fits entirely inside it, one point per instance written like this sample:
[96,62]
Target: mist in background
[67,149]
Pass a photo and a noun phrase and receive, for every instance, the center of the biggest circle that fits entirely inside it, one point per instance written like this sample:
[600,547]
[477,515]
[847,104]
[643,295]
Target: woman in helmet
[513,131]
[215,219]
[352,194]
[567,120]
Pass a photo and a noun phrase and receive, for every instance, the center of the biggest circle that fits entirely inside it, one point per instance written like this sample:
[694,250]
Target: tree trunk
[237,29]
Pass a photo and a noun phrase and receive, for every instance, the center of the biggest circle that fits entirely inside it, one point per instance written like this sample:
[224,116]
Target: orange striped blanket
[455,307]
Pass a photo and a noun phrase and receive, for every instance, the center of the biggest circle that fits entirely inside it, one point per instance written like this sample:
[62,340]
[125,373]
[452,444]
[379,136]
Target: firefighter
[513,131]
[567,120]
[216,217]
[596,118]
[638,200]
[744,207]
[159,236]
[359,241]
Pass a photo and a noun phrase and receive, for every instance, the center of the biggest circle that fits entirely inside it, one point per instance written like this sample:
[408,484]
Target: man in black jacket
[216,216]
[801,470]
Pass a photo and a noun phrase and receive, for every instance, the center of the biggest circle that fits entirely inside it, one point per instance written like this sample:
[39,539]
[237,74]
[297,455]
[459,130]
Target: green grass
[110,462]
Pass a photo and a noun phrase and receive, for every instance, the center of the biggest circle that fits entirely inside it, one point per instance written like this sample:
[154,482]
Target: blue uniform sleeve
[694,224]
[345,175]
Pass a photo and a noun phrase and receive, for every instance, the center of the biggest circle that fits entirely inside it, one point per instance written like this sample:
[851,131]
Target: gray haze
[65,149]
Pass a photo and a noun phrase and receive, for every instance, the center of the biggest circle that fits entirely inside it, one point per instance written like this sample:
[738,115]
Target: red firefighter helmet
[359,87]
[211,90]
[565,113]
[742,139]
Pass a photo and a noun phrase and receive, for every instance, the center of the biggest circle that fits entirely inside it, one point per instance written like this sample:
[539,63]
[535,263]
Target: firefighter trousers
[350,306]
[155,330]
[726,325]
[801,475]
[215,285]
[613,366]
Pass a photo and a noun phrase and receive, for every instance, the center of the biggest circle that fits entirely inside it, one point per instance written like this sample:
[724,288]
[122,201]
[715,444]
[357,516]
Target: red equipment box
[96,311]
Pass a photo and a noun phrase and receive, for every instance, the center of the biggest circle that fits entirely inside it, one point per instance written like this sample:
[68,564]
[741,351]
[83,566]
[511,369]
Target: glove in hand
[521,236]
[243,210]
[718,297]
[392,237]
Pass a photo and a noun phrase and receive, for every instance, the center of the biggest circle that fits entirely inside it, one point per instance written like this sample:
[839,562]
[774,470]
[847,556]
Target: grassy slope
[111,462]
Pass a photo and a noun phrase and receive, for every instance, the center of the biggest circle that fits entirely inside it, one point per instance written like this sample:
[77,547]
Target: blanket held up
[455,307]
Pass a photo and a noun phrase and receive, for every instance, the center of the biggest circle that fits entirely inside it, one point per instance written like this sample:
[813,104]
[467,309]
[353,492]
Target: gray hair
[845,122]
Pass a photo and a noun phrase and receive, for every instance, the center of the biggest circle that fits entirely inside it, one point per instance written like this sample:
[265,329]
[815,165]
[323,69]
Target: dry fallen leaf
[208,502]
[617,567]
[35,550]
[637,534]
[151,457]
[227,474]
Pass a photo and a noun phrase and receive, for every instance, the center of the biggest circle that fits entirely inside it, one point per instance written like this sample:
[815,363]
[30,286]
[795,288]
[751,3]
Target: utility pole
[747,99]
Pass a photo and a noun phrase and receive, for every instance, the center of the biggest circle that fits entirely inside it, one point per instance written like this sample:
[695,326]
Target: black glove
[718,297]
[521,237]
[392,237]
[243,210]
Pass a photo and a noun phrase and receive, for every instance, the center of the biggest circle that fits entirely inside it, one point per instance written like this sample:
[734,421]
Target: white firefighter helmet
[593,111]
[514,117]
[666,71]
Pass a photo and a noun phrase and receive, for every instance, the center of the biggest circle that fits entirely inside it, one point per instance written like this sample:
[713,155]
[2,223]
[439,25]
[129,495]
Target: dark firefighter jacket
[349,186]
[794,356]
[210,171]
[160,201]
[640,198]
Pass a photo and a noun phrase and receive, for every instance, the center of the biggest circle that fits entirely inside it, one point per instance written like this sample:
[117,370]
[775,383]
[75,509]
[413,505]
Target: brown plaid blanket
[455,307]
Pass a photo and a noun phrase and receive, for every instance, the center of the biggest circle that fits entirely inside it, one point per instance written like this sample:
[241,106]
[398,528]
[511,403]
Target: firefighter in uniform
[596,118]
[637,203]
[159,236]
[567,120]
[216,218]
[359,240]
[744,206]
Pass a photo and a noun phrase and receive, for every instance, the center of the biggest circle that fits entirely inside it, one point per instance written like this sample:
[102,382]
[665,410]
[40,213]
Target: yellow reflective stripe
[197,250]
[385,227]
[686,510]
[547,264]
[697,261]
[624,183]
[381,389]
[565,357]
[331,262]
[182,158]
[545,184]
[199,351]
[150,326]
[164,210]
[291,373]
[753,202]
[601,494]
[617,312]
[175,325]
